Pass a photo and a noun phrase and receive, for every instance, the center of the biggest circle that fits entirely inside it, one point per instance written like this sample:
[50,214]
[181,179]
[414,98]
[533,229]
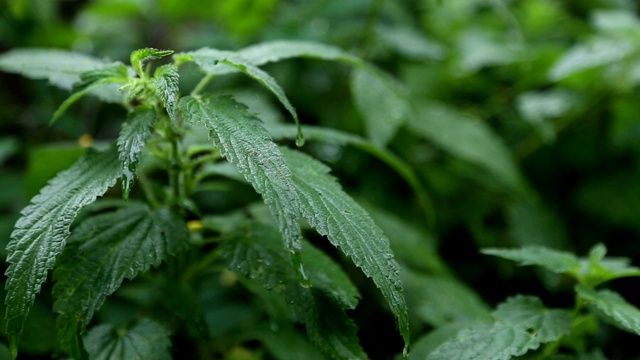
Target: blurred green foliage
[527,134]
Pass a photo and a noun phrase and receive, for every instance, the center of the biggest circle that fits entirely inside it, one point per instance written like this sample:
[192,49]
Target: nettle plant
[172,147]
[522,323]
[91,251]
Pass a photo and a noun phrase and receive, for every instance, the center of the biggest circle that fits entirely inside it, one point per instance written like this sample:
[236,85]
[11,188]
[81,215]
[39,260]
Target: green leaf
[531,223]
[144,340]
[257,253]
[598,51]
[166,80]
[440,300]
[273,51]
[267,52]
[140,56]
[598,269]
[612,307]
[244,142]
[410,42]
[412,245]
[557,261]
[279,132]
[101,253]
[91,80]
[61,68]
[40,234]
[115,72]
[134,134]
[383,107]
[348,226]
[288,344]
[539,108]
[469,139]
[8,147]
[207,59]
[522,324]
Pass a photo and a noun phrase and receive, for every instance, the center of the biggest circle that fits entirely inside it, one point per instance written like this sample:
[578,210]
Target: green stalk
[202,84]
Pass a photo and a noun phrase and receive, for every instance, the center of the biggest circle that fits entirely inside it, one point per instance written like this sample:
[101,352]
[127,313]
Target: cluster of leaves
[128,239]
[508,126]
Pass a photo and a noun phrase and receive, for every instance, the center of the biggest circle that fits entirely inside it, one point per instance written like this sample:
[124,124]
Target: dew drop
[299,138]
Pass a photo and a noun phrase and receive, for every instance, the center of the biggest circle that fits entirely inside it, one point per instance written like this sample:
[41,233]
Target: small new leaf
[40,234]
[134,134]
[137,238]
[256,252]
[208,59]
[139,57]
[347,225]
[597,268]
[612,307]
[244,142]
[560,262]
[521,324]
[166,80]
[144,340]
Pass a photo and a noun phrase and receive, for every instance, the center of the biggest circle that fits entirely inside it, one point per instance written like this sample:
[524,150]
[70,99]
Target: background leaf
[467,138]
[383,109]
[61,68]
[145,340]
[557,261]
[136,238]
[440,300]
[613,308]
[40,234]
[522,324]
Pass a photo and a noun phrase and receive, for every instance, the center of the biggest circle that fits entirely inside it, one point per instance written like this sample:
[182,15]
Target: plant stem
[148,191]
[202,84]
[174,171]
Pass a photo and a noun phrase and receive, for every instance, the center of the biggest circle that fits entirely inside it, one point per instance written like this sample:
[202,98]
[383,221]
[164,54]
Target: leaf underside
[136,238]
[243,141]
[349,227]
[61,68]
[144,340]
[522,324]
[257,253]
[555,260]
[40,234]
